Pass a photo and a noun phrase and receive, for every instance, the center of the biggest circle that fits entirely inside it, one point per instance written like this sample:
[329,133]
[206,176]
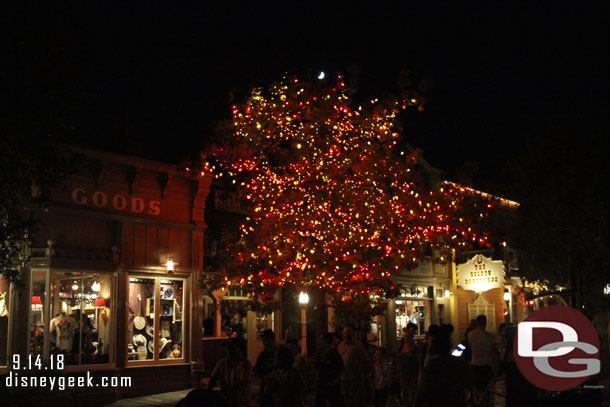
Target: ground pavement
[172,398]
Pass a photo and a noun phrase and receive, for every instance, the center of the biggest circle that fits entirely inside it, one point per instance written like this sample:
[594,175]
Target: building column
[19,317]
[454,305]
[121,317]
[200,194]
[196,311]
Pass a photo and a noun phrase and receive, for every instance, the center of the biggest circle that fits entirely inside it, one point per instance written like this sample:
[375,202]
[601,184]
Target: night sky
[152,81]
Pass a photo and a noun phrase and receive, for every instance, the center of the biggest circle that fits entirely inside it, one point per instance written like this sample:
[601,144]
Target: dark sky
[153,80]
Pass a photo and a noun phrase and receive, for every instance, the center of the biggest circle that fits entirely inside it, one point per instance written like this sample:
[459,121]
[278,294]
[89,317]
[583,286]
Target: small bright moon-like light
[321,76]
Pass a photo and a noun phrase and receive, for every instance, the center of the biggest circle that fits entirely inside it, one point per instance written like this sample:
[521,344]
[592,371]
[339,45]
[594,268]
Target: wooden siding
[149,245]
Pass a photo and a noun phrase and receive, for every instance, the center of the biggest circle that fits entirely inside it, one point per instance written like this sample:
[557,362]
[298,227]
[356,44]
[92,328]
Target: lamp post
[508,299]
[303,300]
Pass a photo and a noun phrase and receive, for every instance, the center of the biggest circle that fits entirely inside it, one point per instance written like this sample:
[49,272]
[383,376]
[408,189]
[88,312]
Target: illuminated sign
[480,274]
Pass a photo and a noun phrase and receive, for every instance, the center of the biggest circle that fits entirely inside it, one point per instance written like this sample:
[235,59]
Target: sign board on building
[480,274]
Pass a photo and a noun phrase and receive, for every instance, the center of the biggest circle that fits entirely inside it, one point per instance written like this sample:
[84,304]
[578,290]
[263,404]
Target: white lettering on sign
[118,202]
[480,274]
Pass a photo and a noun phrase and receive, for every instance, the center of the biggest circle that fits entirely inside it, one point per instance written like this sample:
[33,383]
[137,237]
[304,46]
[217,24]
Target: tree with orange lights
[335,203]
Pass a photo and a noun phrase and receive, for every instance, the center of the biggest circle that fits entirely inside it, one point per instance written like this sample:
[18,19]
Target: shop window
[4,327]
[209,313]
[234,322]
[237,292]
[79,325]
[171,326]
[263,322]
[411,311]
[155,329]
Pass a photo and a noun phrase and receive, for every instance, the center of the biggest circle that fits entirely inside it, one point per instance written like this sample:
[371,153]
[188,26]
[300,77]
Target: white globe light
[321,76]
[303,298]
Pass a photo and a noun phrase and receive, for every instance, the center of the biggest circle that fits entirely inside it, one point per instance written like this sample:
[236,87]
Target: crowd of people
[349,371]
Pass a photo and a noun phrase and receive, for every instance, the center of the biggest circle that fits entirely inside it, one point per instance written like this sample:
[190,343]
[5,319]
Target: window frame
[155,361]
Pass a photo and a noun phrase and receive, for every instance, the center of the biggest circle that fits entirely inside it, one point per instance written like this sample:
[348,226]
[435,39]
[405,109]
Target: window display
[411,311]
[4,327]
[155,329]
[170,344]
[141,323]
[80,327]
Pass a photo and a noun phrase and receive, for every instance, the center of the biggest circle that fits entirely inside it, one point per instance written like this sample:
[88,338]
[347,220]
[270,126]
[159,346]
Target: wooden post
[304,331]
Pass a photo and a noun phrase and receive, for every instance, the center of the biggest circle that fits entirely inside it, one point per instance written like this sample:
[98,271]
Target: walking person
[445,380]
[394,376]
[482,345]
[409,366]
[300,362]
[519,391]
[367,383]
[355,361]
[381,378]
[328,367]
[233,372]
[429,352]
[264,365]
[285,384]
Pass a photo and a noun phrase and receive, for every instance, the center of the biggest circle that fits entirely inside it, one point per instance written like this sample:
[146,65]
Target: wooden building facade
[112,282]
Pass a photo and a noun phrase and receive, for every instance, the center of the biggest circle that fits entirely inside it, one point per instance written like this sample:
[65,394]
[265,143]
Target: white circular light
[321,76]
[303,298]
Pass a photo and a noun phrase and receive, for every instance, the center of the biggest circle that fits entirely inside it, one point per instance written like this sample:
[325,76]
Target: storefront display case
[156,330]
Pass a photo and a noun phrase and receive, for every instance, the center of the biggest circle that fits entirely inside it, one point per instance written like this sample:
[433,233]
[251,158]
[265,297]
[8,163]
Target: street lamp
[303,300]
[508,299]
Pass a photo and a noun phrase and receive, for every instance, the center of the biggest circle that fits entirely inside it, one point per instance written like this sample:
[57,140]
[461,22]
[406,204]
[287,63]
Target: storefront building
[111,284]
[224,313]
[425,299]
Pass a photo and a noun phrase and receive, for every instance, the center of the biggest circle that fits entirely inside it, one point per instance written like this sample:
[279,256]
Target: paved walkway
[154,400]
[172,398]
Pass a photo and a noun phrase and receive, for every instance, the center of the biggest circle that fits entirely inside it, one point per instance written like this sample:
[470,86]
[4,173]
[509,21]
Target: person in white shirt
[355,362]
[482,344]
